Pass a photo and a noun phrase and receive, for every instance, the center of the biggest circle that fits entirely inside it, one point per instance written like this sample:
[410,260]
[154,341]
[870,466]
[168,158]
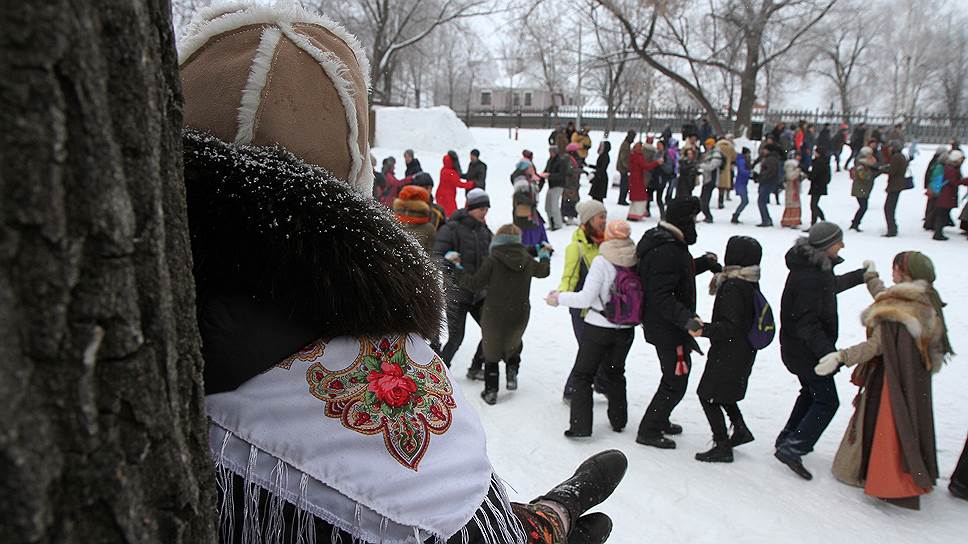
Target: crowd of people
[611,284]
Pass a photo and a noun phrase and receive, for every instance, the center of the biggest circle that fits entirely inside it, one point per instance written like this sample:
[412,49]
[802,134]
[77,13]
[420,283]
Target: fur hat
[412,205]
[279,75]
[588,209]
[477,198]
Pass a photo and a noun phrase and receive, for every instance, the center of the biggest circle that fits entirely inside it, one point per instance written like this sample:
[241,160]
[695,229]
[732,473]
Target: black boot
[958,489]
[591,529]
[512,378]
[795,465]
[722,452]
[741,434]
[489,396]
[656,441]
[672,429]
[592,483]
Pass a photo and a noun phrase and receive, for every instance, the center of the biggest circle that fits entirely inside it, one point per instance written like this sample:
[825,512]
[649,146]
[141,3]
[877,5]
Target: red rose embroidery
[361,418]
[391,386]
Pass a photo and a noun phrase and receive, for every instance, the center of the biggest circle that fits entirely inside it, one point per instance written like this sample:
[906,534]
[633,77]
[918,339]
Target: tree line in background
[727,57]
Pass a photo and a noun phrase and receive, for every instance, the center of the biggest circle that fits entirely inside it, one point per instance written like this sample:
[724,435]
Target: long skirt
[569,201]
[535,235]
[791,211]
[637,209]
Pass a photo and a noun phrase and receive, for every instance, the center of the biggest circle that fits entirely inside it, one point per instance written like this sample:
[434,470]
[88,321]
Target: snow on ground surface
[667,496]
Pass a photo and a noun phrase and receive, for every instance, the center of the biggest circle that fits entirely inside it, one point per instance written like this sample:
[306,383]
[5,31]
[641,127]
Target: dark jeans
[704,197]
[658,195]
[815,212]
[671,390]
[601,349]
[861,210]
[960,475]
[812,412]
[744,200]
[457,311]
[836,157]
[853,154]
[623,188]
[762,201]
[717,423]
[890,208]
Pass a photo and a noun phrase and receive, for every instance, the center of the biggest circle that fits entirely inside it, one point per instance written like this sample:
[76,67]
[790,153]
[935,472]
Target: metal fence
[926,128]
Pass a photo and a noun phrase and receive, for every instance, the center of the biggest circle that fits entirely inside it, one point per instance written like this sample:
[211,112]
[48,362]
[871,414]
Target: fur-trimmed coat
[907,304]
[284,253]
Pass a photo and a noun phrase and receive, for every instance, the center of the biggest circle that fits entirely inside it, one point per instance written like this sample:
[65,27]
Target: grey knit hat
[477,198]
[825,234]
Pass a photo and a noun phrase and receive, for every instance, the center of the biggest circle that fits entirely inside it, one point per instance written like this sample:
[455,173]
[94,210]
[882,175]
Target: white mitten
[869,267]
[452,256]
[828,364]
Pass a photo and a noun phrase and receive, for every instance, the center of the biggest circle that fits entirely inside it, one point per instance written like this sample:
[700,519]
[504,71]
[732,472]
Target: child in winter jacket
[743,161]
[506,275]
[731,355]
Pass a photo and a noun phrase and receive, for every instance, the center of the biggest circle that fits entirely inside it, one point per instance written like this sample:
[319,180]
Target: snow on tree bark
[102,429]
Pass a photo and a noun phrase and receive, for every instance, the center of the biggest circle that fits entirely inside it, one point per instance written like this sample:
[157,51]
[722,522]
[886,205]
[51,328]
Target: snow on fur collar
[264,223]
[806,254]
[910,305]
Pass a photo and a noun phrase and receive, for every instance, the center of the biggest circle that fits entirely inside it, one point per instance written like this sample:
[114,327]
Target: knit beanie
[412,205]
[477,198]
[588,209]
[824,234]
[267,75]
[617,229]
[681,211]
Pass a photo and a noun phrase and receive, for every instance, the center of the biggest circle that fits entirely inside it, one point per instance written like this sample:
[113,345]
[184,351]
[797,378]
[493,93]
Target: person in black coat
[413,165]
[668,272]
[477,170]
[808,331]
[731,355]
[467,234]
[857,140]
[600,179]
[819,179]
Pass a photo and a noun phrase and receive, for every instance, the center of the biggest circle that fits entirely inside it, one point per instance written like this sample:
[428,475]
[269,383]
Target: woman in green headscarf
[889,447]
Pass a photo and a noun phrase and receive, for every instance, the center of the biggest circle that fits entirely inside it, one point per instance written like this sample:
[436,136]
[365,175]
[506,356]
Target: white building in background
[526,98]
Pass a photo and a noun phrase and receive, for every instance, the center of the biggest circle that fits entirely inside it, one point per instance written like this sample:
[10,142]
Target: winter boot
[512,378]
[593,481]
[489,396]
[720,453]
[795,465]
[741,434]
[958,489]
[734,220]
[672,429]
[591,529]
[656,441]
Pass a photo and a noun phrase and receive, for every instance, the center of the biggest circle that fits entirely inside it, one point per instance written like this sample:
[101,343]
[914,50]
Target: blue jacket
[742,174]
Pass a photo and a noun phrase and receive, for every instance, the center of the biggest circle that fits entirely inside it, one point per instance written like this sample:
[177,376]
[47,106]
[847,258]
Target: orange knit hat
[617,229]
[412,205]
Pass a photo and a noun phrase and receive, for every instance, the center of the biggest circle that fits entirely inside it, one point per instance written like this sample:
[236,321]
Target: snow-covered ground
[667,496]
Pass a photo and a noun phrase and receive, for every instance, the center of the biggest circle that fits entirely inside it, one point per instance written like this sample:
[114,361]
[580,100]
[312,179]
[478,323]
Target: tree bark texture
[102,430]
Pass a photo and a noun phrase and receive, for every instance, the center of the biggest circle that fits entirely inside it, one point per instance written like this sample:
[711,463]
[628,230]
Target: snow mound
[426,128]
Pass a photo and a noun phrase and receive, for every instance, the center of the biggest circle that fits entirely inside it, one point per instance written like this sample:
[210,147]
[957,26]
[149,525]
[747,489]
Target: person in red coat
[948,197]
[638,190]
[450,181]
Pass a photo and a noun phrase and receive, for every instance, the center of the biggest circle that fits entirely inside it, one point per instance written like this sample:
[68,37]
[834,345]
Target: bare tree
[840,52]
[765,30]
[953,75]
[608,68]
[103,436]
[545,40]
[388,27]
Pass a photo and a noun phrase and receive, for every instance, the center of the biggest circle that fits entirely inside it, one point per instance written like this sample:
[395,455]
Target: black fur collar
[265,224]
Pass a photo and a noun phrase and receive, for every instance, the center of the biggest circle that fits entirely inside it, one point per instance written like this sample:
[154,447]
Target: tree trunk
[102,430]
[747,86]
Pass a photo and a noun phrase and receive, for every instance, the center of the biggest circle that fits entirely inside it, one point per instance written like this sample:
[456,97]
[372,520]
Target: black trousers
[861,210]
[815,212]
[942,219]
[704,197]
[890,208]
[812,412]
[672,388]
[606,349]
[623,188]
[717,423]
[492,370]
[457,311]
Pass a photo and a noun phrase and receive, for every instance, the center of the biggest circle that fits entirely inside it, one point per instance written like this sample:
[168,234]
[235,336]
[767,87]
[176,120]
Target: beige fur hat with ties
[278,74]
